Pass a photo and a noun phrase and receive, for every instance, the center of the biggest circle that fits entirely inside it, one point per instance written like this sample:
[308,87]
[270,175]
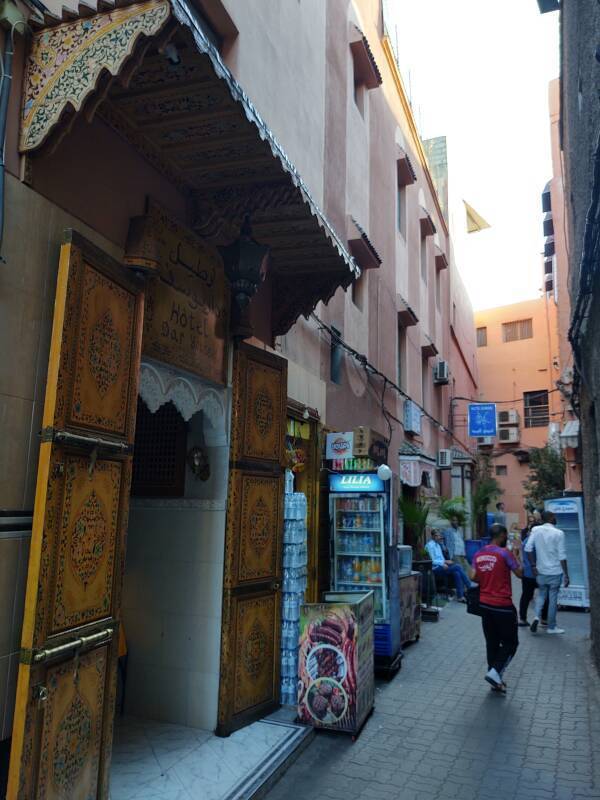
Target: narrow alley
[438,732]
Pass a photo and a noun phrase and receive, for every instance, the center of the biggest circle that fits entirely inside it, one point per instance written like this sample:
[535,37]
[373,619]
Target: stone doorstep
[272,768]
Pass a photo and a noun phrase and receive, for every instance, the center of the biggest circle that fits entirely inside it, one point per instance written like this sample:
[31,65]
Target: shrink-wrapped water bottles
[295,557]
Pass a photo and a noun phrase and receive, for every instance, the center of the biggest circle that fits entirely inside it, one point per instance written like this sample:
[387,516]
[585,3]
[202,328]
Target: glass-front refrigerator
[364,554]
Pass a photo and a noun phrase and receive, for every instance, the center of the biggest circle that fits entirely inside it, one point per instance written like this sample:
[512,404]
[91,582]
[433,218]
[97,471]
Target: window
[481,337]
[360,94]
[424,259]
[401,356]
[520,329]
[536,411]
[438,289]
[425,379]
[359,289]
[401,210]
[336,354]
[160,447]
[501,469]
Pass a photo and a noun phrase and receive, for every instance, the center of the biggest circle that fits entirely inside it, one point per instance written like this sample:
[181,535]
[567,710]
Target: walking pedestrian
[445,566]
[455,544]
[546,551]
[492,567]
[529,583]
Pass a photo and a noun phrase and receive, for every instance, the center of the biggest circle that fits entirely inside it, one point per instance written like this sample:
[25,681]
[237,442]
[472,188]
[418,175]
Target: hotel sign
[186,316]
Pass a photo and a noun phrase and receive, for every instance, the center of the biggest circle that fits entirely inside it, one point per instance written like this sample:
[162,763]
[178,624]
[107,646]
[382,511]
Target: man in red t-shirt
[492,566]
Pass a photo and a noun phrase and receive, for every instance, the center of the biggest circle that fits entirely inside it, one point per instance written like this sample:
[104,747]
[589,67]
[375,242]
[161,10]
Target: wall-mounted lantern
[245,262]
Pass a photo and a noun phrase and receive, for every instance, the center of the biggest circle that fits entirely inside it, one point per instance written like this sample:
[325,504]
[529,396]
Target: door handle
[275,586]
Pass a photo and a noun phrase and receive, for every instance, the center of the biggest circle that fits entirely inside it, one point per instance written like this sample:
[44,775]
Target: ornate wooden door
[62,730]
[249,686]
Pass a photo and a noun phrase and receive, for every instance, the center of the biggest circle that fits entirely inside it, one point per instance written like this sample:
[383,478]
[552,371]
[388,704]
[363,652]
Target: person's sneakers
[555,630]
[534,625]
[499,689]
[523,624]
[461,600]
[544,623]
[494,679]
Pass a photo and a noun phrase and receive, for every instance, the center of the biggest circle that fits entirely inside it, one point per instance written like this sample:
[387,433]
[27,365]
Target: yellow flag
[475,222]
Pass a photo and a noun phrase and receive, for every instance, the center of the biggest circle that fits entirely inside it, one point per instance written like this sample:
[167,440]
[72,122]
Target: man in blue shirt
[444,566]
[455,544]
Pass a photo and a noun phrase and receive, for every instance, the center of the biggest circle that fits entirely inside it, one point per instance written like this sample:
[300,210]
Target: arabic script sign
[187,302]
[482,419]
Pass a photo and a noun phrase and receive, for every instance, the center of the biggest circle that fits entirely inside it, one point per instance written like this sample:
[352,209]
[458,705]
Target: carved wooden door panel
[249,685]
[62,731]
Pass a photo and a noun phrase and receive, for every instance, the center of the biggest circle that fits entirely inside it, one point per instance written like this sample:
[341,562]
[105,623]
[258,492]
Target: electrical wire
[369,368]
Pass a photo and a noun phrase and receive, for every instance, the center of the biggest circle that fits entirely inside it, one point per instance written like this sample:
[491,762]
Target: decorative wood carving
[66,62]
[253,540]
[78,535]
[258,413]
[187,303]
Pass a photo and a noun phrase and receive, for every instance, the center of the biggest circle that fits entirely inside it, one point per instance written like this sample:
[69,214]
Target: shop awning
[406,315]
[194,122]
[361,246]
[416,468]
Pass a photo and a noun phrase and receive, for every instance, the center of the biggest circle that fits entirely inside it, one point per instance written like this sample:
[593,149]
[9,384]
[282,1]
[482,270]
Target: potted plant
[414,514]
[451,507]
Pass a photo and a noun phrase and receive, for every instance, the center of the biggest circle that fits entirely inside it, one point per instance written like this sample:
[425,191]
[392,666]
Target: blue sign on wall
[367,482]
[482,419]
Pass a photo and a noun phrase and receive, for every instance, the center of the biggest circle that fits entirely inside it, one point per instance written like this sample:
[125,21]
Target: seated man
[444,566]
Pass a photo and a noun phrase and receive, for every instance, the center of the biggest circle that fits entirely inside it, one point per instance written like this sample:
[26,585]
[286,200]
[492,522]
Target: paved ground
[439,732]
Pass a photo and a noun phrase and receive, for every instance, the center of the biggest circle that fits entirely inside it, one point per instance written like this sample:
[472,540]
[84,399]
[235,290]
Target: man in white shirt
[545,549]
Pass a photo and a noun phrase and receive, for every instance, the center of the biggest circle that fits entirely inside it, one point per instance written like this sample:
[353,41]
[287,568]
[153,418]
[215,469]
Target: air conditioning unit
[509,435]
[510,417]
[441,373]
[444,459]
[485,441]
[412,417]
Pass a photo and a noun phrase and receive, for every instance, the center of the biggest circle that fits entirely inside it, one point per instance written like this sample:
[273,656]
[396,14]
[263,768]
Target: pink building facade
[295,114]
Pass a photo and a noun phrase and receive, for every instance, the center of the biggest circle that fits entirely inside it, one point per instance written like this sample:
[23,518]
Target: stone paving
[439,732]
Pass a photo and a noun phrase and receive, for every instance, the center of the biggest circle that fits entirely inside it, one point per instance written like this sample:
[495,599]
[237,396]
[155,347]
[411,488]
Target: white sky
[477,72]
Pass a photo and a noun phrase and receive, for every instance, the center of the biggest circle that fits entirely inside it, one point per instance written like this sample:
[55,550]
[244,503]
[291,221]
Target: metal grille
[520,329]
[159,454]
[536,410]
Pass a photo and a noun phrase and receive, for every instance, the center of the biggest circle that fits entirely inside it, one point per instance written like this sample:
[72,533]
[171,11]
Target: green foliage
[415,516]
[487,489]
[453,507]
[546,475]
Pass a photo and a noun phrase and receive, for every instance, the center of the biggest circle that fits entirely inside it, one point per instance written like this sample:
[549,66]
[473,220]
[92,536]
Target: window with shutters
[481,337]
[519,329]
[159,452]
[536,409]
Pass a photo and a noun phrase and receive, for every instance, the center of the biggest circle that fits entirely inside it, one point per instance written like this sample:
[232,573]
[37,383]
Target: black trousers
[501,635]
[527,592]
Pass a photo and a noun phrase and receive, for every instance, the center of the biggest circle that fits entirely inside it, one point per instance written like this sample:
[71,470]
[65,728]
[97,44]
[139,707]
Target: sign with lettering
[367,482]
[339,445]
[482,419]
[186,317]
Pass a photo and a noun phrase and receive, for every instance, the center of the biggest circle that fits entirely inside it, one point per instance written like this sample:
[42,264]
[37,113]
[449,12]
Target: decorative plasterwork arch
[66,62]
[160,384]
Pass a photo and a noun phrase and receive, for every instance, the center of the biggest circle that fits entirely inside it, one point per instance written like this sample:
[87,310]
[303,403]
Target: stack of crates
[295,557]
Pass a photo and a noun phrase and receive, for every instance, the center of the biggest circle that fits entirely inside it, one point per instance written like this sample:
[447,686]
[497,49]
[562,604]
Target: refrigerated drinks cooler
[569,518]
[364,556]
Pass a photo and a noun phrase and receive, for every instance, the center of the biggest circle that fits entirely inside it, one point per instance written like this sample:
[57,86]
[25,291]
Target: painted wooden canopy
[193,121]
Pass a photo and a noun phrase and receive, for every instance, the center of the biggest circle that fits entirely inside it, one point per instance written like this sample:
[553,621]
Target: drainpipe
[11,16]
